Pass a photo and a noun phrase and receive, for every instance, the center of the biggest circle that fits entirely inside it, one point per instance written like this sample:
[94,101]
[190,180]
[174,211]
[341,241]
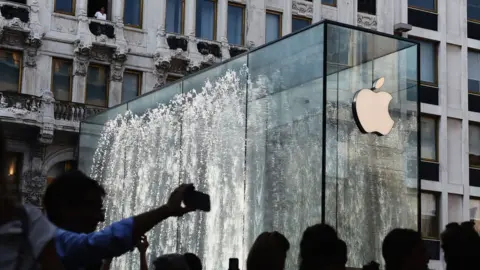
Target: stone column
[317,11]
[222,14]
[255,23]
[33,42]
[117,15]
[33,180]
[287,18]
[116,79]
[190,17]
[347,11]
[80,67]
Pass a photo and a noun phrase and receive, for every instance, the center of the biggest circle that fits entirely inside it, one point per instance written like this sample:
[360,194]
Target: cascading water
[258,153]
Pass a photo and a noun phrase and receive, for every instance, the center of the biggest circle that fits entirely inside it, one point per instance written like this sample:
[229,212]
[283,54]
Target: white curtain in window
[474,140]
[205,21]
[272,27]
[473,66]
[428,60]
[428,140]
[429,205]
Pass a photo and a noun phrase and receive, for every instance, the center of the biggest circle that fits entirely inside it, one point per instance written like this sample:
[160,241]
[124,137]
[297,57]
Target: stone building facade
[58,65]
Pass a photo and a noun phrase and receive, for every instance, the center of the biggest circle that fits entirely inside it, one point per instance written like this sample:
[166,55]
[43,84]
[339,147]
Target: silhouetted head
[74,201]
[170,262]
[321,248]
[194,263]
[102,10]
[404,249]
[269,251]
[461,245]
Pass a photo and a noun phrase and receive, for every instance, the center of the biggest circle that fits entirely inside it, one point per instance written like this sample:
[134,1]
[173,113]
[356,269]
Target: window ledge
[65,16]
[430,161]
[135,29]
[424,10]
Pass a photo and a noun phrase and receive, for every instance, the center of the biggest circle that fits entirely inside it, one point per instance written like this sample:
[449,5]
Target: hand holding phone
[196,200]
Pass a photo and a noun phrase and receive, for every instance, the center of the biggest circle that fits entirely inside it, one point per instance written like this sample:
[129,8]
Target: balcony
[209,47]
[20,108]
[102,27]
[15,17]
[69,114]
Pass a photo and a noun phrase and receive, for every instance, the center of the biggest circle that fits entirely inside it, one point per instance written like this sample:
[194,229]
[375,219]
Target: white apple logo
[370,110]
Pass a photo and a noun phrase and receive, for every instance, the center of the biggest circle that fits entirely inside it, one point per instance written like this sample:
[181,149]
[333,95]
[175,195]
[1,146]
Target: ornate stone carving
[33,187]
[367,21]
[48,121]
[302,8]
[117,67]
[80,64]
[101,54]
[162,65]
[194,66]
[12,38]
[161,37]
[30,56]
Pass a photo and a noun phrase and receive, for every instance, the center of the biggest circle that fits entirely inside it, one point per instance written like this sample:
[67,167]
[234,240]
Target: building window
[65,6]
[428,5]
[132,85]
[206,20]
[100,9]
[428,58]
[330,2]
[474,145]
[367,6]
[172,78]
[10,70]
[175,16]
[473,10]
[132,14]
[273,26]
[474,72]
[430,219]
[236,24]
[97,86]
[475,213]
[429,136]
[300,23]
[62,79]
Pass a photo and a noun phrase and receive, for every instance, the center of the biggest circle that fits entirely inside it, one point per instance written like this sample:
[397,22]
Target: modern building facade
[58,64]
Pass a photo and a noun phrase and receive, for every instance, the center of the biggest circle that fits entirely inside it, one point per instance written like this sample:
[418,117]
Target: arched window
[60,168]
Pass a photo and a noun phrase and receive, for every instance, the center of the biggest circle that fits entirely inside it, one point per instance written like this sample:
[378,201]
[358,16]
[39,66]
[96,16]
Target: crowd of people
[66,236]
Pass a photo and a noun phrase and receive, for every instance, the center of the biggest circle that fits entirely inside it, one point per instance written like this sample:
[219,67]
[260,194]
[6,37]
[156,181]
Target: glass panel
[205,19]
[10,68]
[429,138]
[424,4]
[473,71]
[284,138]
[235,24]
[430,221]
[65,6]
[213,154]
[475,213]
[133,13]
[174,16]
[473,10]
[428,68]
[474,145]
[61,79]
[97,86]
[300,23]
[131,86]
[273,27]
[371,180]
[154,99]
[329,2]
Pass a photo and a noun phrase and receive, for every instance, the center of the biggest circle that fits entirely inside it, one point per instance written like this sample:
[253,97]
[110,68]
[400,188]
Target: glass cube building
[275,136]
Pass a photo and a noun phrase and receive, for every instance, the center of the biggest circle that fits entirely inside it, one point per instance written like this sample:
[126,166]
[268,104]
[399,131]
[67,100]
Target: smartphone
[233,264]
[197,200]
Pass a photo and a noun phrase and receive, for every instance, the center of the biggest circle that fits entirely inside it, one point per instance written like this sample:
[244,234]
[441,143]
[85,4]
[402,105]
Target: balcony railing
[18,102]
[74,112]
[10,10]
[102,27]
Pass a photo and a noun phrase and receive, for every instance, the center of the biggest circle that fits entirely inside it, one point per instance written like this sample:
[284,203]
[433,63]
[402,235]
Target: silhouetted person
[461,246]
[171,262]
[371,266]
[321,248]
[269,251]
[403,249]
[193,262]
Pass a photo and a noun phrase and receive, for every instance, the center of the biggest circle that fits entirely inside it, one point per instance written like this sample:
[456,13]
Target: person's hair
[320,246]
[194,263]
[460,243]
[398,245]
[268,252]
[170,261]
[68,189]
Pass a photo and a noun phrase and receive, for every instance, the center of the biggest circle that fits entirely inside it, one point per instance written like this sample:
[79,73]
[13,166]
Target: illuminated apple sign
[370,110]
